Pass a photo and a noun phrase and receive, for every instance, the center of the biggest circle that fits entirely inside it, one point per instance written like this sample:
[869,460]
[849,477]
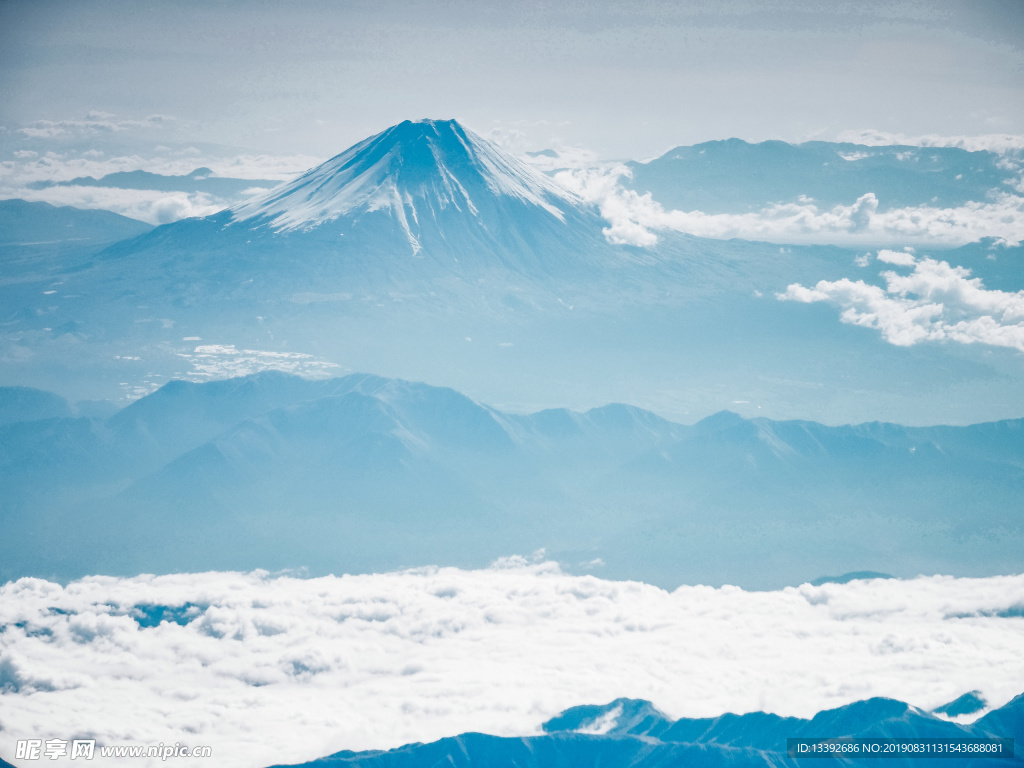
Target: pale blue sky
[623,79]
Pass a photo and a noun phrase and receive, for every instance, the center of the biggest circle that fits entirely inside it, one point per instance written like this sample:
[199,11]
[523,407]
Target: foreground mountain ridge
[632,733]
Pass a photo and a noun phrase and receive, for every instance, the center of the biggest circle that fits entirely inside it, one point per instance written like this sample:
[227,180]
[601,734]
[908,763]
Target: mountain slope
[26,224]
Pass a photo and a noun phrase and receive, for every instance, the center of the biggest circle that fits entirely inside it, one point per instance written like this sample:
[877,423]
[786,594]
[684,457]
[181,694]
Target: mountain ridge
[366,473]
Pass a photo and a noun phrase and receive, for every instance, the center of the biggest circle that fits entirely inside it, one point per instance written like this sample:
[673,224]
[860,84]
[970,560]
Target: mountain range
[363,473]
[632,733]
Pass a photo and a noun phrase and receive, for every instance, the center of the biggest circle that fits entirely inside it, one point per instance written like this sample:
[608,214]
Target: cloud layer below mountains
[279,669]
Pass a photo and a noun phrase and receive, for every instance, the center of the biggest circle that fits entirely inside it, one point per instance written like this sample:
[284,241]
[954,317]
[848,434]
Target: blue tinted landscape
[472,446]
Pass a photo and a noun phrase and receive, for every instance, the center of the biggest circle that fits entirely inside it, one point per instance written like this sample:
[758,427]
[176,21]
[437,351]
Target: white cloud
[630,215]
[635,219]
[993,142]
[270,670]
[224,361]
[900,258]
[602,724]
[935,302]
[151,206]
[20,177]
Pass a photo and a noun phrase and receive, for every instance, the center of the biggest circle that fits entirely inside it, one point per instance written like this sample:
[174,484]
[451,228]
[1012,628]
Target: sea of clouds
[273,668]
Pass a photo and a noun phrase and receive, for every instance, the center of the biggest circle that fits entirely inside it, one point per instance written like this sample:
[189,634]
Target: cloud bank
[279,669]
[151,206]
[635,219]
[935,302]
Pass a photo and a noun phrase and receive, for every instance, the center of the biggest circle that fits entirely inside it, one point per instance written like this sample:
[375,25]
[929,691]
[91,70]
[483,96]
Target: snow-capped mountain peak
[412,170]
